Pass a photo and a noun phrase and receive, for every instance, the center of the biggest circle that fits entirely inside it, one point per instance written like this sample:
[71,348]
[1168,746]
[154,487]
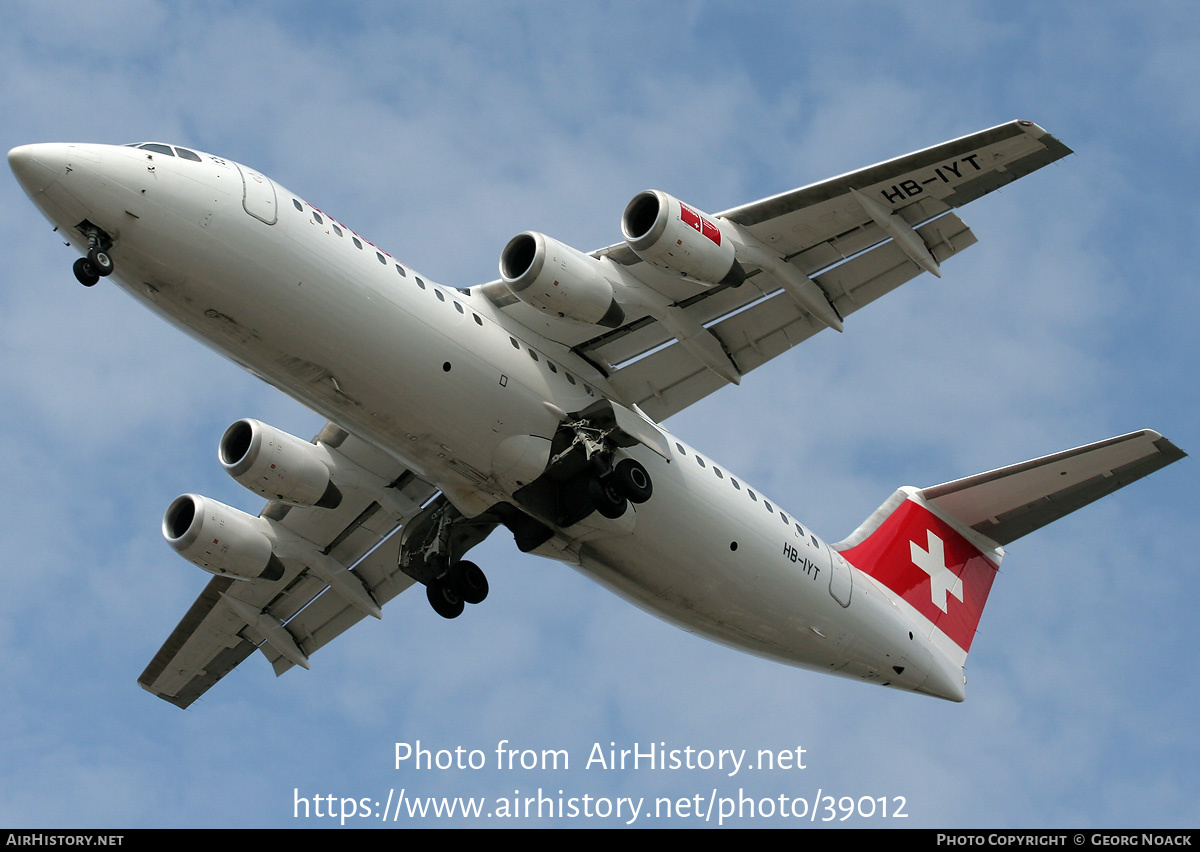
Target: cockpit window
[188,155]
[158,149]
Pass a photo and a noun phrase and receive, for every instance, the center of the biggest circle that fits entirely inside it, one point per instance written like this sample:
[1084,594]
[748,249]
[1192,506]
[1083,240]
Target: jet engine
[680,240]
[558,280]
[276,465]
[220,539]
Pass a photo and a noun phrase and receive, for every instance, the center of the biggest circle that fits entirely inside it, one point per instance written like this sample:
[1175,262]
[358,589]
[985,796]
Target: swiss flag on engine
[694,220]
[928,563]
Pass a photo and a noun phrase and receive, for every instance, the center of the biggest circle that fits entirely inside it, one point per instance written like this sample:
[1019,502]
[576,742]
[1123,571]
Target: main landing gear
[463,583]
[584,475]
[611,493]
[431,552]
[98,262]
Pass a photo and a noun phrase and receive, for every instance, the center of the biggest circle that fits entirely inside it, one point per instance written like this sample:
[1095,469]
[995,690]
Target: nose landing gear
[98,263]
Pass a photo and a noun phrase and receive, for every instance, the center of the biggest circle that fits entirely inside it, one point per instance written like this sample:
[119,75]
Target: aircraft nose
[36,166]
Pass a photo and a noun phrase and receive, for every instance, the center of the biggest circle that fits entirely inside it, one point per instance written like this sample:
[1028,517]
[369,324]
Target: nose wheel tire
[85,273]
[101,262]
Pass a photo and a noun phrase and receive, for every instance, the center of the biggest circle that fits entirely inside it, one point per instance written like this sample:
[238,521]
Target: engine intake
[680,240]
[558,280]
[220,539]
[278,466]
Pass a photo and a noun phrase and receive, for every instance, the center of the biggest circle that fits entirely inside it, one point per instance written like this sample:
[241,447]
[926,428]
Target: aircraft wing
[851,234]
[361,534]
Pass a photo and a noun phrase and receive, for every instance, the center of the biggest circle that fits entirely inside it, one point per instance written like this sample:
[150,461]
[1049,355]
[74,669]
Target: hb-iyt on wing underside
[856,236]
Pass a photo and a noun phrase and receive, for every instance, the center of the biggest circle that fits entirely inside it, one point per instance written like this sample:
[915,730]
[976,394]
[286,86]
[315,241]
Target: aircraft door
[841,576]
[258,195]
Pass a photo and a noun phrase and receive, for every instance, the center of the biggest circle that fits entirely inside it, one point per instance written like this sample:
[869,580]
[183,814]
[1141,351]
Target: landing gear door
[258,195]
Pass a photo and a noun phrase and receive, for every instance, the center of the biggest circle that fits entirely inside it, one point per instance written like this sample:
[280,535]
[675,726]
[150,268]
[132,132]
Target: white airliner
[533,402]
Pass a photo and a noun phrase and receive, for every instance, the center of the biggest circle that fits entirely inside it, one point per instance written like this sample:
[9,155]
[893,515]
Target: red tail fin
[929,563]
[938,549]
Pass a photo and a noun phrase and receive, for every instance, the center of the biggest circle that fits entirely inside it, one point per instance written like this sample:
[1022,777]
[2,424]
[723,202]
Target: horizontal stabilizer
[1013,501]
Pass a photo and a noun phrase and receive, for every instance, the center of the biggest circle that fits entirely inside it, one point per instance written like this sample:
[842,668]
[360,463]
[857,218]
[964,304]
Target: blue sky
[438,131]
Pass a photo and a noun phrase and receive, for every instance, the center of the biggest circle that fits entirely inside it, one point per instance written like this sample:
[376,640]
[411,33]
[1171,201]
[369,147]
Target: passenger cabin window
[381,258]
[400,269]
[357,242]
[317,217]
[298,205]
[336,229]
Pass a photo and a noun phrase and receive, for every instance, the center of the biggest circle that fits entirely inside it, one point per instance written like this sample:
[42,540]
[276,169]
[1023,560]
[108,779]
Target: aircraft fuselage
[446,383]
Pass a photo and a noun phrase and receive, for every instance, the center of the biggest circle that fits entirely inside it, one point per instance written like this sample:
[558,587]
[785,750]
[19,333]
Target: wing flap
[329,616]
[670,379]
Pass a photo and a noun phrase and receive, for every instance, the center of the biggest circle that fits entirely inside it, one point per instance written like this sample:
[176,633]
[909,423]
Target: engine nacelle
[680,240]
[558,280]
[276,465]
[220,539]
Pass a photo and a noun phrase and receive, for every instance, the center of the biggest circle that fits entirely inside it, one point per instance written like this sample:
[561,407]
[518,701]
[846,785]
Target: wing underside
[361,534]
[851,234]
